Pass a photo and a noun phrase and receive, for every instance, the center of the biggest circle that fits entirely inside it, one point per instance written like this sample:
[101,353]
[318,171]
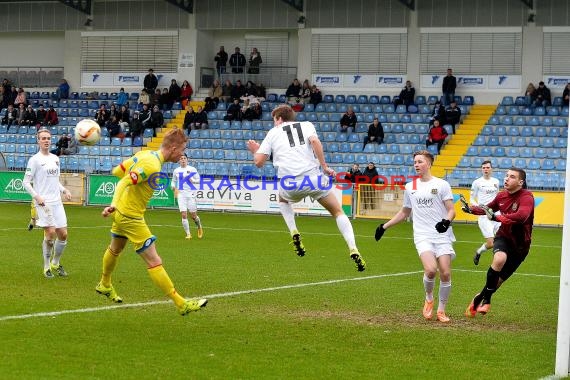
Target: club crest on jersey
[514,207]
[434,191]
[134,177]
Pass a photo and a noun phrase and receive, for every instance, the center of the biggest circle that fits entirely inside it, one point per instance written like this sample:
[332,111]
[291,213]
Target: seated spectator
[406,96]
[10,116]
[124,117]
[61,144]
[437,135]
[155,98]
[41,116]
[452,115]
[51,117]
[227,91]
[189,119]
[348,120]
[102,115]
[144,117]
[261,92]
[250,89]
[30,116]
[253,112]
[201,119]
[112,126]
[175,92]
[72,147]
[375,133]
[566,94]
[186,92]
[20,98]
[438,113]
[21,113]
[63,90]
[238,90]
[530,94]
[215,92]
[3,104]
[234,111]
[542,96]
[352,174]
[164,100]
[144,98]
[113,111]
[156,119]
[13,93]
[293,91]
[316,96]
[210,104]
[135,126]
[368,192]
[305,94]
[122,98]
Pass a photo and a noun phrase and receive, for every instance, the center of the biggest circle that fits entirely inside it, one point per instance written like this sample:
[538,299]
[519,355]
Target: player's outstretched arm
[399,217]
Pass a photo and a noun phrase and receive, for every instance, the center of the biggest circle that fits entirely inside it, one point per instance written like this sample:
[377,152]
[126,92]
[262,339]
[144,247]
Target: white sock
[288,216]
[59,246]
[47,246]
[186,226]
[444,290]
[428,286]
[198,222]
[482,249]
[345,229]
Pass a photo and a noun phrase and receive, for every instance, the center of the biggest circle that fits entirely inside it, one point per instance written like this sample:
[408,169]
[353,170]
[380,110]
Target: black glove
[488,212]
[464,205]
[379,232]
[442,226]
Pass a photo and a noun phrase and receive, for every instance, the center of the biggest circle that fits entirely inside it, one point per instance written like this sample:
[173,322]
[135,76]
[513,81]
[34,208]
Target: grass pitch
[272,315]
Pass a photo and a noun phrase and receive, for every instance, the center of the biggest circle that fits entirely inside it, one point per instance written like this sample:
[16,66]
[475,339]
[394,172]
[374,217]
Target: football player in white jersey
[483,190]
[186,194]
[298,156]
[41,181]
[430,201]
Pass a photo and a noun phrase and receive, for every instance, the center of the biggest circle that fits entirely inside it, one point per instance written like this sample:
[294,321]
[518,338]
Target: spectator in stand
[261,92]
[186,92]
[543,97]
[102,115]
[234,111]
[201,119]
[124,118]
[2,103]
[165,100]
[40,116]
[156,119]
[30,117]
[10,117]
[189,119]
[316,96]
[253,112]
[150,82]
[135,126]
[448,87]
[305,94]
[368,191]
[144,117]
[250,89]
[566,94]
[254,61]
[61,144]
[7,87]
[530,94]
[452,115]
[293,91]
[438,113]
[437,135]
[175,91]
[12,95]
[63,90]
[144,98]
[348,120]
[112,126]
[113,111]
[353,173]
[72,147]
[20,98]
[407,95]
[375,133]
[155,98]
[51,117]
[215,93]
[122,98]
[227,91]
[21,113]
[237,61]
[238,90]
[221,59]
[210,104]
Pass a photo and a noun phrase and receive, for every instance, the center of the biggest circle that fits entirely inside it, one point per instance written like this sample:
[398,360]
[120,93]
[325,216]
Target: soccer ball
[87,132]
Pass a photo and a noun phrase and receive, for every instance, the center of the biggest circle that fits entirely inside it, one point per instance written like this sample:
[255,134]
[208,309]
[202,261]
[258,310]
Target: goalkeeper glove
[379,232]
[464,205]
[442,226]
[489,212]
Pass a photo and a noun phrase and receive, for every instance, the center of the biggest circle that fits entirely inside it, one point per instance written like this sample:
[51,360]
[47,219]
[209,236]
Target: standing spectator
[102,115]
[448,87]
[150,82]
[530,94]
[375,133]
[227,91]
[30,117]
[430,200]
[353,173]
[316,96]
[452,115]
[221,59]
[437,135]
[20,98]
[293,91]
[10,117]
[407,95]
[175,91]
[156,119]
[254,61]
[41,116]
[63,90]
[348,120]
[368,190]
[122,98]
[305,94]
[542,95]
[186,92]
[566,94]
[51,117]
[438,113]
[237,61]
[238,90]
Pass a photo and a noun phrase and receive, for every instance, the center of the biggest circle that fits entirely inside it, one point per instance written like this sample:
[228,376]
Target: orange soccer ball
[87,132]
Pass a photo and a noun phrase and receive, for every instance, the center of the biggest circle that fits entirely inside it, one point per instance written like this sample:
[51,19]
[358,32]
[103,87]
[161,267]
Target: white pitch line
[210,296]
[514,274]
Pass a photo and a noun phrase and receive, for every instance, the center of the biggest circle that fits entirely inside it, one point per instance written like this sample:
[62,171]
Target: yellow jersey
[133,191]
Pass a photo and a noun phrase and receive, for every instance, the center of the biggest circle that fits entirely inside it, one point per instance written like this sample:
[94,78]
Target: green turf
[370,328]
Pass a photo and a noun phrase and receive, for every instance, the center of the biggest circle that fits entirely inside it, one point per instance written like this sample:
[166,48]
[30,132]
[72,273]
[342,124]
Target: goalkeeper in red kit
[512,241]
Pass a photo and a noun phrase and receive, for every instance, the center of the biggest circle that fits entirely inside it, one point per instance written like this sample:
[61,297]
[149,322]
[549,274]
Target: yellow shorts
[135,230]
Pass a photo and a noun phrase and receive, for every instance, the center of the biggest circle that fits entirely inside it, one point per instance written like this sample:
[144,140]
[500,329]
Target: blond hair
[426,154]
[173,137]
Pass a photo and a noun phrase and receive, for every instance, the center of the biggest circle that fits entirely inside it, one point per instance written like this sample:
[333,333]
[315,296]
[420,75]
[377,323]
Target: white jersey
[426,199]
[292,152]
[42,173]
[483,191]
[180,180]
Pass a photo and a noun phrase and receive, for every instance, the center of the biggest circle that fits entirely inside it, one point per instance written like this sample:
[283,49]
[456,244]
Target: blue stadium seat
[327,99]
[533,142]
[539,153]
[554,153]
[374,99]
[507,101]
[561,164]
[512,152]
[513,110]
[339,99]
[548,164]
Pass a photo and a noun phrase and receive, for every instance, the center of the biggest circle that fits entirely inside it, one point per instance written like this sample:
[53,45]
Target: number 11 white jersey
[292,152]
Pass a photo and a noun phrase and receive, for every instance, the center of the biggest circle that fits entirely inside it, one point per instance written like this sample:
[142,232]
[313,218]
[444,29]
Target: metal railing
[32,77]
[269,76]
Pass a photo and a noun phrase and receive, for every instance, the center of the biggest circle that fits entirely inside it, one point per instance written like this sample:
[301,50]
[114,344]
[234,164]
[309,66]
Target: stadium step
[466,134]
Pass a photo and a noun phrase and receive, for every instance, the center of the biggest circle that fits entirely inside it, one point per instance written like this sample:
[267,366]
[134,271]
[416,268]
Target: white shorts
[187,202]
[51,215]
[488,227]
[439,249]
[293,190]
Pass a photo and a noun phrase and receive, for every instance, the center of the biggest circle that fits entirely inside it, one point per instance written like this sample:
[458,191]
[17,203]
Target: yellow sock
[109,263]
[162,280]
